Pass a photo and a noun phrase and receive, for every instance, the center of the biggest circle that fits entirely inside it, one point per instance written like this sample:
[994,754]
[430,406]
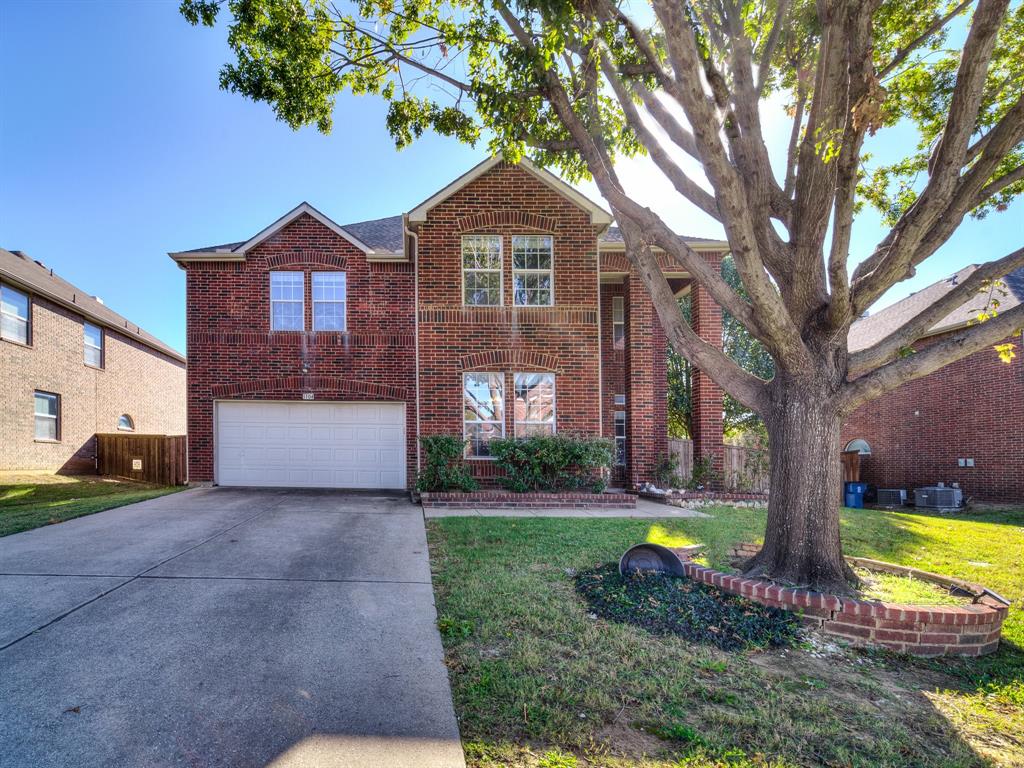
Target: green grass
[536,678]
[891,588]
[31,501]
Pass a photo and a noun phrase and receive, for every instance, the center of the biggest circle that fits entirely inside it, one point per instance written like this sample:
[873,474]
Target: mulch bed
[672,605]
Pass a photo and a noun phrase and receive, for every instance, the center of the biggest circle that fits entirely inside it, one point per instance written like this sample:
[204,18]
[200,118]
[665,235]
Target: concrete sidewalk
[225,627]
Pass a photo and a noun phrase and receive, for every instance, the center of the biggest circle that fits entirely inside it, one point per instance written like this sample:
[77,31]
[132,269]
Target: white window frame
[54,416]
[27,320]
[618,321]
[465,421]
[500,270]
[342,301]
[554,402]
[87,345]
[618,418]
[550,271]
[301,301]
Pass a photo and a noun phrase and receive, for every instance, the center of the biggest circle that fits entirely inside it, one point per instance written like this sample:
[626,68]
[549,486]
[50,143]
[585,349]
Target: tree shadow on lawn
[531,671]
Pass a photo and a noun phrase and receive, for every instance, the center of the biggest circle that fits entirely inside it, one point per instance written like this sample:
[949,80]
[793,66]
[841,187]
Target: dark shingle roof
[614,235]
[387,234]
[873,328]
[34,277]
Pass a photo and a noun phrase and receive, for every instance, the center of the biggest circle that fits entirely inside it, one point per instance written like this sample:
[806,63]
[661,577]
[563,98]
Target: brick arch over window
[507,359]
[331,384]
[490,219]
[306,259]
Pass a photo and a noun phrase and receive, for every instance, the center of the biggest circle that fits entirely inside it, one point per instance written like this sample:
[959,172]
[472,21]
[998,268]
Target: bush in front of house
[444,466]
[553,463]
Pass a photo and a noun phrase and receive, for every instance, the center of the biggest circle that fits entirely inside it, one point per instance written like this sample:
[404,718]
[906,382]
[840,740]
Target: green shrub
[553,462]
[666,472]
[444,468]
[704,476]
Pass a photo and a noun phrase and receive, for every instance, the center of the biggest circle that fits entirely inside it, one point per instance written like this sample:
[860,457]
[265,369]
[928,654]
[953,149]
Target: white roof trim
[598,215]
[291,216]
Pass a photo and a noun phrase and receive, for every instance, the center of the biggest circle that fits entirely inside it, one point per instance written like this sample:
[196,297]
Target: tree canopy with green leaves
[577,85]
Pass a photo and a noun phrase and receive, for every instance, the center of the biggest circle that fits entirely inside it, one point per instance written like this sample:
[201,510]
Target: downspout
[416,319]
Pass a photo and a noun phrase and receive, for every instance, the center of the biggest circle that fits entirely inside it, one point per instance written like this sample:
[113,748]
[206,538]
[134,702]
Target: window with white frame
[287,307]
[618,321]
[14,315]
[93,345]
[125,423]
[329,301]
[532,270]
[481,270]
[620,438]
[483,401]
[47,416]
[534,406]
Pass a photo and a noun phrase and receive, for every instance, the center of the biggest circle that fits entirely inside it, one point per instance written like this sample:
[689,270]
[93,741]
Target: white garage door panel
[311,445]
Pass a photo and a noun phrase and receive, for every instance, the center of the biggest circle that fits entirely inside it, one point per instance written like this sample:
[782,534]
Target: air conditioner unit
[892,497]
[941,498]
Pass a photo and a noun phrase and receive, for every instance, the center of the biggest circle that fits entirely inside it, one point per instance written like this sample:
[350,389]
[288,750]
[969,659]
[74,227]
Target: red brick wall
[135,380]
[613,369]
[706,419]
[563,338]
[646,385]
[233,354]
[973,408]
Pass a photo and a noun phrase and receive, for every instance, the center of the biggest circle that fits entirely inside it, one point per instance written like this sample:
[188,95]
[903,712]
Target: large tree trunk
[801,546]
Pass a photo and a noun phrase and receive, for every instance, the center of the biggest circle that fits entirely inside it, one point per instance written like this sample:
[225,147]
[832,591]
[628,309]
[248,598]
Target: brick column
[706,419]
[646,385]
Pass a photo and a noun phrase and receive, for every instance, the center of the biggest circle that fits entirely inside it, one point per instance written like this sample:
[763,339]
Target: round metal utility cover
[650,557]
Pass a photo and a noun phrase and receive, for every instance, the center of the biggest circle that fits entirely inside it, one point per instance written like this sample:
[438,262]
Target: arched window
[861,446]
[125,423]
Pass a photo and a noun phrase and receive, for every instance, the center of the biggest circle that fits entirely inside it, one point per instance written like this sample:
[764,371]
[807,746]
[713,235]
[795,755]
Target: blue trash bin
[860,488]
[854,499]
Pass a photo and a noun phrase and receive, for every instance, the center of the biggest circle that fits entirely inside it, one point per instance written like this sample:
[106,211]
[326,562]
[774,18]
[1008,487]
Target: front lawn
[538,681]
[28,500]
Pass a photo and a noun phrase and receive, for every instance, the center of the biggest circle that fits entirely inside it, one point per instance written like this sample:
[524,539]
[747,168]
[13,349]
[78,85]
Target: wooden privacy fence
[744,469]
[158,459]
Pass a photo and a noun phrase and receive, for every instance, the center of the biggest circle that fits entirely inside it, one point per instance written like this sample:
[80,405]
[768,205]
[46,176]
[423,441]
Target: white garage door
[311,445]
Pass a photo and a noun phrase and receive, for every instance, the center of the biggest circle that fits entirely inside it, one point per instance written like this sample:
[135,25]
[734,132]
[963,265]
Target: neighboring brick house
[960,424]
[502,305]
[70,368]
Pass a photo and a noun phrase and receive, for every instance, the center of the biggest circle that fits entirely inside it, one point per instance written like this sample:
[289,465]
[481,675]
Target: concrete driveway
[225,627]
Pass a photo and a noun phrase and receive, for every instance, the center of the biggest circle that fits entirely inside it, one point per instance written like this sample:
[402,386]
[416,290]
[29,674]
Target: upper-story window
[15,323]
[93,345]
[532,273]
[329,301]
[534,404]
[287,306]
[481,270]
[618,321]
[125,423]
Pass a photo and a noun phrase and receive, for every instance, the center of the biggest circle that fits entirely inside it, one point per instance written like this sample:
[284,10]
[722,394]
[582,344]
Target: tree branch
[865,360]
[901,55]
[930,359]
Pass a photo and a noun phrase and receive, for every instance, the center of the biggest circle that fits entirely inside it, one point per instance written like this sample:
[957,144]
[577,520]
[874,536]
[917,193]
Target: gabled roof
[598,215]
[34,277]
[612,239]
[871,329]
[237,251]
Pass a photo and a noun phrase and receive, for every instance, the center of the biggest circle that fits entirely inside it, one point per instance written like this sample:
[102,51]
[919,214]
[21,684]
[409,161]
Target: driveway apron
[225,627]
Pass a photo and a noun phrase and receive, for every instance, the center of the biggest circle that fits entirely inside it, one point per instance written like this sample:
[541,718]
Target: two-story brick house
[502,305]
[70,367]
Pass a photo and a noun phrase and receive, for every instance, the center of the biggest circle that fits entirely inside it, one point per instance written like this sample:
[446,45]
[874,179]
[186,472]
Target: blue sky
[116,146]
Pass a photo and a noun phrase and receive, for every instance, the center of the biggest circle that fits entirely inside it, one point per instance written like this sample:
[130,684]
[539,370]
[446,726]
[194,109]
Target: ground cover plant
[537,681]
[30,501]
[673,605]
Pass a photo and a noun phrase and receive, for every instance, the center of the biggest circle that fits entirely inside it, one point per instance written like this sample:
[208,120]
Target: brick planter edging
[932,630]
[509,500]
[705,496]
